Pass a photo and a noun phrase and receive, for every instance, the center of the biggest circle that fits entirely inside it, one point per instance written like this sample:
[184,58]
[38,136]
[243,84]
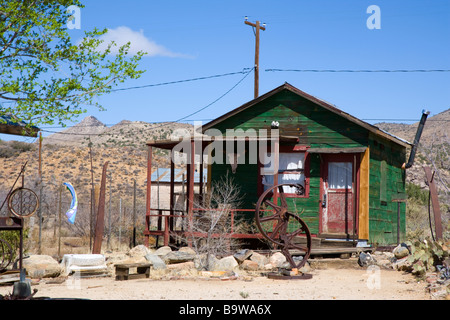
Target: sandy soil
[326,284]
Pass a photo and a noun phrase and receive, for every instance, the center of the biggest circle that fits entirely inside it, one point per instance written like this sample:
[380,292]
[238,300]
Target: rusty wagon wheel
[6,254]
[23,202]
[282,226]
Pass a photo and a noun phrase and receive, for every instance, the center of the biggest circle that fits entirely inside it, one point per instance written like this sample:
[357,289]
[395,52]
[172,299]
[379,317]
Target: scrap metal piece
[23,202]
[281,276]
[100,222]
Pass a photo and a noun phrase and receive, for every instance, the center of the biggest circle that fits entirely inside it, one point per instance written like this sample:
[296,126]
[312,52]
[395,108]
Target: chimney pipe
[425,114]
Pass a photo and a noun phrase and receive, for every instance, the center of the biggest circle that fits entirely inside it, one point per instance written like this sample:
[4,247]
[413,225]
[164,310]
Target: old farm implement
[281,225]
[21,202]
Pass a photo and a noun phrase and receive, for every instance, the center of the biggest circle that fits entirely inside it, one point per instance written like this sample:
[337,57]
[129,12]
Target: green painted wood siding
[387,183]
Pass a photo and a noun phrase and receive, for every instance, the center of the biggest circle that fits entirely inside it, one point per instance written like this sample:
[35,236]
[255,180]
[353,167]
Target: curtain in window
[340,175]
[287,162]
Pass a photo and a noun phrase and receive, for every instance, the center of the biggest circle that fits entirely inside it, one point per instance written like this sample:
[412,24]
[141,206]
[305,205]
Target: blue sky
[191,39]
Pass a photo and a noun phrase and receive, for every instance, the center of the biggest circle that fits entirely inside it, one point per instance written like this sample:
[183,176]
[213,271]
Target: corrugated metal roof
[163,175]
[18,128]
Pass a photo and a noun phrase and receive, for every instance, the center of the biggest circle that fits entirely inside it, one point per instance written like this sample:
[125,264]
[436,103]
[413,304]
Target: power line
[165,123]
[245,70]
[223,95]
[193,120]
[357,71]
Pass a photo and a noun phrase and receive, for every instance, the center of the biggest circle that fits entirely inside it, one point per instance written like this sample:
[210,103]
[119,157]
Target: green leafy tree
[45,76]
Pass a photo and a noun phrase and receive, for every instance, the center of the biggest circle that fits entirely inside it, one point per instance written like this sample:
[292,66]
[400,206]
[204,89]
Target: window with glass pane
[340,175]
[290,170]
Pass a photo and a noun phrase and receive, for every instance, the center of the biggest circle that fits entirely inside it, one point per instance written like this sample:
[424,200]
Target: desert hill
[125,133]
[436,130]
[433,150]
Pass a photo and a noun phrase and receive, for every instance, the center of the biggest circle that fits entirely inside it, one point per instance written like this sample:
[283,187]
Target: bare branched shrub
[211,230]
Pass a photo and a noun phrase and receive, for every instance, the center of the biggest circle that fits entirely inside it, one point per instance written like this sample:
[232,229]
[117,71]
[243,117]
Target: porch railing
[168,224]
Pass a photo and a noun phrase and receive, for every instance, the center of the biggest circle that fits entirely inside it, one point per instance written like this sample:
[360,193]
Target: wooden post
[134,213]
[257,27]
[363,218]
[190,188]
[276,154]
[120,221]
[60,215]
[92,196]
[40,193]
[108,244]
[166,231]
[149,195]
[354,200]
[172,195]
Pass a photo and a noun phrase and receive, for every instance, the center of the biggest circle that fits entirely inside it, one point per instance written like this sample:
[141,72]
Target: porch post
[191,168]
[276,153]
[149,196]
[354,186]
[172,194]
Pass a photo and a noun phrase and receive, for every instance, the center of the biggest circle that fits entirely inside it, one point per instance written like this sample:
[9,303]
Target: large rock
[41,266]
[205,261]
[226,264]
[188,250]
[181,266]
[401,251]
[297,260]
[178,257]
[243,255]
[366,259]
[157,262]
[277,259]
[163,251]
[260,259]
[139,251]
[249,265]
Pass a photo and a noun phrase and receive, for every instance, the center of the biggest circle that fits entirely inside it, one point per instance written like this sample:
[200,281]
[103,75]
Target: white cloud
[138,42]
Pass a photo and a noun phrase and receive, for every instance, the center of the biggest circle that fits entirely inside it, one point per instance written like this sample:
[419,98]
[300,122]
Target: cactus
[426,255]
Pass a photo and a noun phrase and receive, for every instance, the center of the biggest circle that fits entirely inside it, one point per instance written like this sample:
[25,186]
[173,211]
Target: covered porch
[191,153]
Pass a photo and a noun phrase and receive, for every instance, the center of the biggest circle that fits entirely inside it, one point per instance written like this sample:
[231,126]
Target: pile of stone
[186,261]
[438,281]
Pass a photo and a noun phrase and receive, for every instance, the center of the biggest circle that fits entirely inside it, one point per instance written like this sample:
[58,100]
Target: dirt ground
[327,283]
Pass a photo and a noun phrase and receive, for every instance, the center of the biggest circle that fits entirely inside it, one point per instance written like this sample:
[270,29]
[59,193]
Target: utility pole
[257,27]
[40,192]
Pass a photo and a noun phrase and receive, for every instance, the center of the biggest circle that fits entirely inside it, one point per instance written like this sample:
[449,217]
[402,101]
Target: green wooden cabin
[351,171]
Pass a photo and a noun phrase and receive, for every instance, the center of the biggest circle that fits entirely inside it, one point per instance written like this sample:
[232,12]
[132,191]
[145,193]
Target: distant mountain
[73,136]
[124,133]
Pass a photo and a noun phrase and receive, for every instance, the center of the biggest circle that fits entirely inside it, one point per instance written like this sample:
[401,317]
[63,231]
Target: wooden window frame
[306,170]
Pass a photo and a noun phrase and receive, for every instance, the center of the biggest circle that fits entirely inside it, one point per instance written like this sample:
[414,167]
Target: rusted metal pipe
[100,222]
[435,202]
[416,140]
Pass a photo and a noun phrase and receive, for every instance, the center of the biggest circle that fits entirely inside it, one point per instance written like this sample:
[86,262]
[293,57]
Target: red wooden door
[338,195]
